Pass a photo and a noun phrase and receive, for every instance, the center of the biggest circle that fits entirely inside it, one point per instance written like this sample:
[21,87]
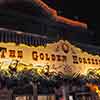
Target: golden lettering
[3,54]
[12,53]
[20,54]
[34,55]
[47,57]
[89,62]
[53,57]
[84,61]
[75,59]
[41,56]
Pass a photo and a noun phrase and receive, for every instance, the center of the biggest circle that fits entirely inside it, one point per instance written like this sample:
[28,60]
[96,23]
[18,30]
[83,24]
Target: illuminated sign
[83,60]
[61,56]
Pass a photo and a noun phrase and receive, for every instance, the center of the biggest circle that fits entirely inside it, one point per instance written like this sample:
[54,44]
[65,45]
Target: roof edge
[57,18]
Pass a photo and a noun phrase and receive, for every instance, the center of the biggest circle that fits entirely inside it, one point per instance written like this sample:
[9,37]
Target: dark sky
[86,11]
[81,10]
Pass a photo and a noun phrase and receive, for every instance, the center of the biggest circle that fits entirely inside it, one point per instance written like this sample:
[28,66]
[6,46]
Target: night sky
[81,10]
[86,11]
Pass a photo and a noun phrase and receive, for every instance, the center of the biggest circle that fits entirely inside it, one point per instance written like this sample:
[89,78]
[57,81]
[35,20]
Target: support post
[64,91]
[35,94]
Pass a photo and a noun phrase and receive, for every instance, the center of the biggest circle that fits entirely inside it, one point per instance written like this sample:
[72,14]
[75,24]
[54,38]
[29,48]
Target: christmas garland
[13,78]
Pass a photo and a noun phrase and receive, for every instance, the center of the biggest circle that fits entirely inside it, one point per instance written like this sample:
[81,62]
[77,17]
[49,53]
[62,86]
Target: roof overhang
[57,18]
[49,12]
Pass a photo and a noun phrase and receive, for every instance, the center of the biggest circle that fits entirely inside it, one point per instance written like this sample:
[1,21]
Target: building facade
[25,26]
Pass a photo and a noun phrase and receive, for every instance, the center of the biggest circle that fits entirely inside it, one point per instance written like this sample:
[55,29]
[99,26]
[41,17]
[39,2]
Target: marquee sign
[60,57]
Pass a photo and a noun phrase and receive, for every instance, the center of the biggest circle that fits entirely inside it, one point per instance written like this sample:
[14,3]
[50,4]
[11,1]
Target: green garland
[26,76]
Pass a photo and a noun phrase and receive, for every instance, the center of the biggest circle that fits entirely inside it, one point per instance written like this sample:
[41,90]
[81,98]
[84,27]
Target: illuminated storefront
[58,58]
[44,58]
[63,57]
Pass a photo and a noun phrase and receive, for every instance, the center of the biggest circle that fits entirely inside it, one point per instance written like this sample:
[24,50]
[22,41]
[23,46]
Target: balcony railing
[22,37]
